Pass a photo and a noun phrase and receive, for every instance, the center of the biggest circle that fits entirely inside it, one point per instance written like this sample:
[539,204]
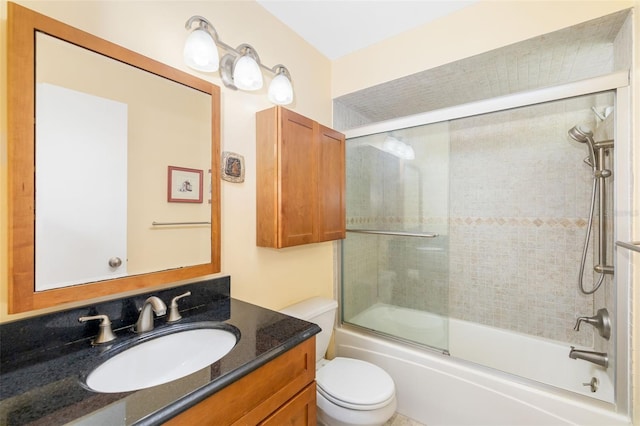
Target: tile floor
[400,420]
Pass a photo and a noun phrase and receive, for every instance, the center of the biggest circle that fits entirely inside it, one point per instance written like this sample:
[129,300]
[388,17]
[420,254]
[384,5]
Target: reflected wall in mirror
[108,123]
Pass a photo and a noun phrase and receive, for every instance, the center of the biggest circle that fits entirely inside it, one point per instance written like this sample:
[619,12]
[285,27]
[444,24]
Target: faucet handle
[174,315]
[600,321]
[578,321]
[105,334]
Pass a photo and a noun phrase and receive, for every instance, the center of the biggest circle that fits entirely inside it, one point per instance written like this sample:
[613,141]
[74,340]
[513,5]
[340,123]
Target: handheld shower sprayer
[596,160]
[585,135]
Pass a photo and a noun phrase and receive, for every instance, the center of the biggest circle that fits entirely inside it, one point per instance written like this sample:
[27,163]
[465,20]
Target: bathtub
[436,389]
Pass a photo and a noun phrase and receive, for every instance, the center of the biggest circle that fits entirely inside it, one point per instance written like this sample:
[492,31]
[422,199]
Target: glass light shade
[280,90]
[398,148]
[247,74]
[200,52]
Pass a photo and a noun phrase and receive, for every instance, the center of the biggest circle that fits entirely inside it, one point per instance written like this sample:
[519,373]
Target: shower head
[581,134]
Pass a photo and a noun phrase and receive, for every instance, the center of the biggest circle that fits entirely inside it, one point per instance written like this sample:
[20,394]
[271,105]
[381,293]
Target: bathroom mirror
[114,186]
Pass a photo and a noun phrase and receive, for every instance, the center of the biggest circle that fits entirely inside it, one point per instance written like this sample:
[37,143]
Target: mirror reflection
[106,134]
[120,143]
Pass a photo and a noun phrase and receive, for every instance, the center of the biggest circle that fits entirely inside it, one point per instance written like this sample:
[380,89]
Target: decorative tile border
[564,222]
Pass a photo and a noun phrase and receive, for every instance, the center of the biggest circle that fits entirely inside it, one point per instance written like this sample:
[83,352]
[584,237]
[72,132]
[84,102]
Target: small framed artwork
[184,185]
[232,167]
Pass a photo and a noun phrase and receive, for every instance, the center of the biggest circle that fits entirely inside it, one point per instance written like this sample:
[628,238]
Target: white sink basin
[161,360]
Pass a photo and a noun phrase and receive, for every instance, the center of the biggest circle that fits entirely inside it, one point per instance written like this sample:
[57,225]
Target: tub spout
[598,358]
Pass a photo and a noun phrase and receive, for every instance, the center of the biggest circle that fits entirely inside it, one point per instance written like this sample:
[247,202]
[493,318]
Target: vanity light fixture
[200,52]
[246,71]
[396,146]
[240,68]
[280,89]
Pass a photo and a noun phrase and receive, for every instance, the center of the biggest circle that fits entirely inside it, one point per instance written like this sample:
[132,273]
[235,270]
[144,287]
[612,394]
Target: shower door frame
[618,82]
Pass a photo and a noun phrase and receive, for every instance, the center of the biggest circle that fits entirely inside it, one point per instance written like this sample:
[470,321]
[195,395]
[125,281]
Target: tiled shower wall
[511,221]
[520,196]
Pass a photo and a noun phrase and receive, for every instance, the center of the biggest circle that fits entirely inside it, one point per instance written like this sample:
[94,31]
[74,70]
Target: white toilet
[349,391]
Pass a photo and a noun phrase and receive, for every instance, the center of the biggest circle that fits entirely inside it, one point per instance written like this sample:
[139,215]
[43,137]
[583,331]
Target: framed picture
[184,185]
[232,167]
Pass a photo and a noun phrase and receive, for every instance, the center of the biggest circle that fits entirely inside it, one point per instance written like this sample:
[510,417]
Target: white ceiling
[339,27]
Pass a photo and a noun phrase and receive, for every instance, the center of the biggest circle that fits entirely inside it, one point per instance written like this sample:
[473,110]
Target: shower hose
[586,244]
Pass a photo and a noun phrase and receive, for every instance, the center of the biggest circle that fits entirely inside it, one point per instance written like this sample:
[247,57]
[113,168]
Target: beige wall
[481,27]
[271,278]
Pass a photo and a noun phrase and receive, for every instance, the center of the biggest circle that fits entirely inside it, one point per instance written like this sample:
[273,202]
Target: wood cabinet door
[298,180]
[298,411]
[261,394]
[331,184]
[300,188]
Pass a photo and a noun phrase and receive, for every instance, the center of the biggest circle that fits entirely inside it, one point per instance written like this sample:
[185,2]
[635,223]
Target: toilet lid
[355,384]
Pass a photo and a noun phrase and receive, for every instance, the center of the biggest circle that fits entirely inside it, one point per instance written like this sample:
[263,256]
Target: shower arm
[606,144]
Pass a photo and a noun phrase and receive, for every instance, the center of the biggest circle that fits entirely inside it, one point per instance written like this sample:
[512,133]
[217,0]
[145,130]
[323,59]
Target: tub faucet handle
[174,314]
[600,321]
[105,334]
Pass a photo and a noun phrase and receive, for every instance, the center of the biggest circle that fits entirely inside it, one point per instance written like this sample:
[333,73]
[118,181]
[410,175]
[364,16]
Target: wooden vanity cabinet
[283,391]
[300,175]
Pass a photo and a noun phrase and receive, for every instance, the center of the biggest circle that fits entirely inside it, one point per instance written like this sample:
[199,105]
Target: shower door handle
[395,233]
[633,246]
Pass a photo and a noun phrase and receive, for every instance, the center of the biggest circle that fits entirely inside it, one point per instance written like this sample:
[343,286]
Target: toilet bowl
[353,392]
[349,391]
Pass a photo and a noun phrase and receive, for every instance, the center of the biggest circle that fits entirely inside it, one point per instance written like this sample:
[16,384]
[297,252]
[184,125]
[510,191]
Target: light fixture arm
[247,50]
[279,69]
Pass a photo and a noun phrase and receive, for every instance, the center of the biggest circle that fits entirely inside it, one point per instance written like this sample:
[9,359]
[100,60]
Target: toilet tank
[321,311]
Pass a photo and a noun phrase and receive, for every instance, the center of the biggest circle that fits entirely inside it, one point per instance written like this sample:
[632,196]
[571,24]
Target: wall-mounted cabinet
[300,180]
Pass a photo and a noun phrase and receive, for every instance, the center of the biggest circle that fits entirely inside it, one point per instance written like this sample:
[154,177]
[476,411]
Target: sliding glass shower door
[468,233]
[397,265]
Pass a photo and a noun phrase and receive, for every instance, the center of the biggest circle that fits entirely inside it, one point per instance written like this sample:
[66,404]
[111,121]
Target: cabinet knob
[115,262]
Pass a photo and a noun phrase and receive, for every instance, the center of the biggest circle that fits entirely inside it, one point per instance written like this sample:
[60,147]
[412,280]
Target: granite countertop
[43,360]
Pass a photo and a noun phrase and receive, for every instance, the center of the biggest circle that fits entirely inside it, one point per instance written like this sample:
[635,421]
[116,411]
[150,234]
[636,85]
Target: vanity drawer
[258,395]
[298,411]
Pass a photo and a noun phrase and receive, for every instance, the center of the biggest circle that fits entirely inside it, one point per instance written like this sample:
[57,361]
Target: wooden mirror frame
[22,26]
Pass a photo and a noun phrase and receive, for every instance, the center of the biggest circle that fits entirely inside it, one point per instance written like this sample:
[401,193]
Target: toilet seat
[355,384]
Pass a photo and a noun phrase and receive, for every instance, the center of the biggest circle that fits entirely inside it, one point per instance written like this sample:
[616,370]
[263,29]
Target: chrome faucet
[598,358]
[145,320]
